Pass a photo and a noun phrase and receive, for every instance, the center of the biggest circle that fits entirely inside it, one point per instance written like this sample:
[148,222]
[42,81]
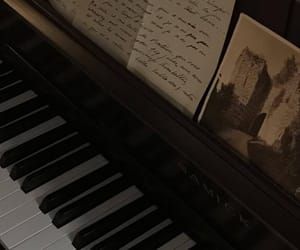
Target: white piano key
[126,224]
[105,209]
[44,238]
[7,187]
[101,211]
[4,175]
[61,244]
[17,100]
[176,242]
[41,149]
[147,234]
[123,227]
[9,168]
[21,180]
[13,201]
[26,230]
[100,185]
[18,216]
[187,245]
[18,198]
[74,174]
[31,133]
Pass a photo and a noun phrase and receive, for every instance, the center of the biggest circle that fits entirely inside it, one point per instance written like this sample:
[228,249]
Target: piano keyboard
[57,192]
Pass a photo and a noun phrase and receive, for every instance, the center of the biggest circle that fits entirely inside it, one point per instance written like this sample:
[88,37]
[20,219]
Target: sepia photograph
[254,104]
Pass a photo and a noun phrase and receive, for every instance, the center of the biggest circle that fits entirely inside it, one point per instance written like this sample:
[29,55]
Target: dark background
[281,16]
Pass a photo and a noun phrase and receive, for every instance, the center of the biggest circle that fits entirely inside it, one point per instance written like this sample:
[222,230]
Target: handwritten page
[67,8]
[178,47]
[112,24]
[173,45]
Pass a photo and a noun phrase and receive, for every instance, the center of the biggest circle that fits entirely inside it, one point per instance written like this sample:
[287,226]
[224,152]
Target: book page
[178,47]
[254,105]
[113,24]
[66,8]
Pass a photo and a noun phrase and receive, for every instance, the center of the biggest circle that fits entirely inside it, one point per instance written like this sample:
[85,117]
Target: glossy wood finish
[241,181]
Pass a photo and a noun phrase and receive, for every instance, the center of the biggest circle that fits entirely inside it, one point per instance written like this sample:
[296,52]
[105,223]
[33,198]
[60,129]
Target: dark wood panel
[293,31]
[278,211]
[272,13]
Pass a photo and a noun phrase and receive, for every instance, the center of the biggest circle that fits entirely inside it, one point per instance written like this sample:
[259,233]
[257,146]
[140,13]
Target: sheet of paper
[113,24]
[254,105]
[67,8]
[178,47]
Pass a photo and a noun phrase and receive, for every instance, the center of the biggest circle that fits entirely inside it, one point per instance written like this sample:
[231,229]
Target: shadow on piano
[213,196]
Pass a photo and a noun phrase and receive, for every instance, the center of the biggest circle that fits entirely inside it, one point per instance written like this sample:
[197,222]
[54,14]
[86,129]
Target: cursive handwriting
[112,24]
[178,47]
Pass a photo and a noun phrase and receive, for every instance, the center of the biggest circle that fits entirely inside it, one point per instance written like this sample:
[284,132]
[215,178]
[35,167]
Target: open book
[173,45]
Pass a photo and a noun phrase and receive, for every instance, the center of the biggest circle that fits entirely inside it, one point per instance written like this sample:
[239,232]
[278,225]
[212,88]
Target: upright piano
[92,158]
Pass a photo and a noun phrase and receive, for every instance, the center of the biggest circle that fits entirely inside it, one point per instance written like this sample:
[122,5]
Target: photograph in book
[255,103]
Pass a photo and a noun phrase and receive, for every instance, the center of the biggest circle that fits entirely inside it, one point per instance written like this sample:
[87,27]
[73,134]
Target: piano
[92,158]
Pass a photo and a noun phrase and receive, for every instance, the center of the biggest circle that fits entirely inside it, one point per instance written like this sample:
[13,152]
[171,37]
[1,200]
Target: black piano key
[196,247]
[45,156]
[25,124]
[16,154]
[4,68]
[12,91]
[131,232]
[204,247]
[2,247]
[76,188]
[159,239]
[101,227]
[20,110]
[52,171]
[85,204]
[9,79]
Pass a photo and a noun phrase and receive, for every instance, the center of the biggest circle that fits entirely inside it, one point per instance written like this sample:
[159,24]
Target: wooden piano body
[194,163]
